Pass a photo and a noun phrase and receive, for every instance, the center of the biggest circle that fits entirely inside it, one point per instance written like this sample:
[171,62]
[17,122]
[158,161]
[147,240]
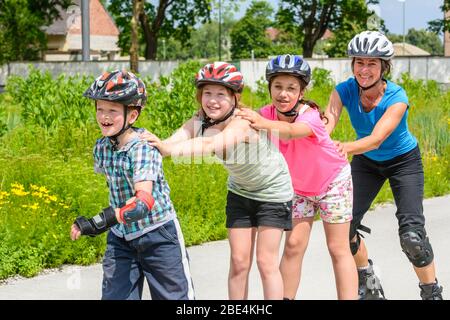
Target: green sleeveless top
[258,171]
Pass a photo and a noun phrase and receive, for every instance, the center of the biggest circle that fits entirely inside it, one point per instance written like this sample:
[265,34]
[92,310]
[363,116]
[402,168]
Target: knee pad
[415,245]
[354,246]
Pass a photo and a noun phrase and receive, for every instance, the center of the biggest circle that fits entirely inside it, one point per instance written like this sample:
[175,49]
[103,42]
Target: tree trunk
[313,29]
[151,32]
[138,7]
[308,47]
[151,47]
[150,38]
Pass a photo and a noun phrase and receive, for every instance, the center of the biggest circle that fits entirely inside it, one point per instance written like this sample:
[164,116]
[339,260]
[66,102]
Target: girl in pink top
[321,177]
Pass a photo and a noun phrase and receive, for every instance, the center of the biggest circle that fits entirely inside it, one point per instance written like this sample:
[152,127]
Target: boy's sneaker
[431,291]
[369,286]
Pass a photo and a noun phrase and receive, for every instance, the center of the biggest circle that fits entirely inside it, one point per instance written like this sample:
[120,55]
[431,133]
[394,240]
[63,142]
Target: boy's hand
[255,119]
[97,224]
[117,210]
[75,232]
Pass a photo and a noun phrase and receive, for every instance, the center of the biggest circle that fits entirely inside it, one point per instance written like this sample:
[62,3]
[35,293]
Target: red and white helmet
[370,44]
[119,86]
[221,73]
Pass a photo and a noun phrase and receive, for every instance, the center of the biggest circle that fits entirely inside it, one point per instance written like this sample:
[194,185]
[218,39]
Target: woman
[384,149]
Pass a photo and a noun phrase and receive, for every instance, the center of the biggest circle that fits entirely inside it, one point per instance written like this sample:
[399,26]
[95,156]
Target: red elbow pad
[145,197]
[143,203]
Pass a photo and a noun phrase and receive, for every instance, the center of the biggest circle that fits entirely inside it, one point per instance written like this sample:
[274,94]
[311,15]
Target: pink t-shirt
[313,161]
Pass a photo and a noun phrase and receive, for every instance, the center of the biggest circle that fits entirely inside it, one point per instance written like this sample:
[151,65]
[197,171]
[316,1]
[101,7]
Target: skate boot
[431,291]
[369,286]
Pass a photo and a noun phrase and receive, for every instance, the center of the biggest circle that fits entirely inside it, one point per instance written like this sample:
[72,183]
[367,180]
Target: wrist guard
[139,208]
[97,224]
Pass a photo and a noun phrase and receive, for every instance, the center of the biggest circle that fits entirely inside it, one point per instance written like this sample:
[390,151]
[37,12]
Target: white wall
[427,68]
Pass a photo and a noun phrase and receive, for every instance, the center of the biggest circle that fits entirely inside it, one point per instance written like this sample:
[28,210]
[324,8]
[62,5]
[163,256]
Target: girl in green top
[259,185]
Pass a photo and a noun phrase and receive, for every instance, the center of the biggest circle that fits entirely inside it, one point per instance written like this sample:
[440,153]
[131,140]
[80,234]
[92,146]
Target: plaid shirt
[136,161]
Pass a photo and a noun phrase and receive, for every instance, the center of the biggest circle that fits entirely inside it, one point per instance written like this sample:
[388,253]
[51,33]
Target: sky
[417,13]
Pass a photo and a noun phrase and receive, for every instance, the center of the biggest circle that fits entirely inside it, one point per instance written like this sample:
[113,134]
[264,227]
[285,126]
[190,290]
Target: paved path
[209,265]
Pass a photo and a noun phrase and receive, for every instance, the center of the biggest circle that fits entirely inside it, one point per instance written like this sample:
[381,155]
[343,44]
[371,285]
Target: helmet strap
[208,122]
[294,111]
[114,139]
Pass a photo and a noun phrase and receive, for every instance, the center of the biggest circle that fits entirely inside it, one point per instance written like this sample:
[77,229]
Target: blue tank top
[400,141]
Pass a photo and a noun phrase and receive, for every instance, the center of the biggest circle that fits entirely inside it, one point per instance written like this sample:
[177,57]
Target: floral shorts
[334,206]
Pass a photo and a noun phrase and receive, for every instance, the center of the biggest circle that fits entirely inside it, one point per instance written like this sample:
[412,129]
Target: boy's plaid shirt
[135,162]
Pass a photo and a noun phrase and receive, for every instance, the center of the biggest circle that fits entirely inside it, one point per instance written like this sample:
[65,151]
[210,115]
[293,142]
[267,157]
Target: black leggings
[405,174]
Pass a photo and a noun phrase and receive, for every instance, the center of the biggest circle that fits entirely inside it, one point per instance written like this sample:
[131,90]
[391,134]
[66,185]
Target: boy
[145,238]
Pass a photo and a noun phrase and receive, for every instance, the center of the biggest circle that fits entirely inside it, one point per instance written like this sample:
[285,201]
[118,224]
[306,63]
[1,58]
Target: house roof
[100,22]
[327,35]
[406,49]
[272,33]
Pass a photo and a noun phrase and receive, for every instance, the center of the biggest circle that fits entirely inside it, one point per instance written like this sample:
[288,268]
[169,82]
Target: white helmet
[370,44]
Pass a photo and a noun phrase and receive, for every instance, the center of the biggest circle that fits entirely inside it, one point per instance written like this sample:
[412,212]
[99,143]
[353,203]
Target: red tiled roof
[100,22]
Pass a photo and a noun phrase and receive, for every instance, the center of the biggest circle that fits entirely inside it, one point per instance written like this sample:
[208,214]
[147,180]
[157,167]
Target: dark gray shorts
[246,213]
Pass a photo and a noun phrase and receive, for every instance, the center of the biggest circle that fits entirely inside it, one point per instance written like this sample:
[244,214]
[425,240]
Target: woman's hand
[341,148]
[255,119]
[156,142]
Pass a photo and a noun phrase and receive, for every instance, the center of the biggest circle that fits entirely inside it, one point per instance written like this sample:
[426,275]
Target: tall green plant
[49,102]
[171,101]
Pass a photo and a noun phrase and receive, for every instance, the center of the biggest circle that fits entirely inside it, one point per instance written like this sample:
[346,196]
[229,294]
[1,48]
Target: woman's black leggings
[405,174]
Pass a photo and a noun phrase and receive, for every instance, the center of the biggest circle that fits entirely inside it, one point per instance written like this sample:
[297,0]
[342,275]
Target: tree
[441,25]
[138,9]
[169,18]
[204,41]
[24,20]
[313,17]
[249,33]
[426,40]
[353,22]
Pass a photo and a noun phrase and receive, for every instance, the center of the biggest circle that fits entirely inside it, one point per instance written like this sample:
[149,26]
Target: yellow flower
[34,206]
[47,201]
[37,194]
[17,186]
[3,195]
[434,158]
[66,207]
[52,198]
[19,192]
[43,189]
[24,206]
[34,187]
